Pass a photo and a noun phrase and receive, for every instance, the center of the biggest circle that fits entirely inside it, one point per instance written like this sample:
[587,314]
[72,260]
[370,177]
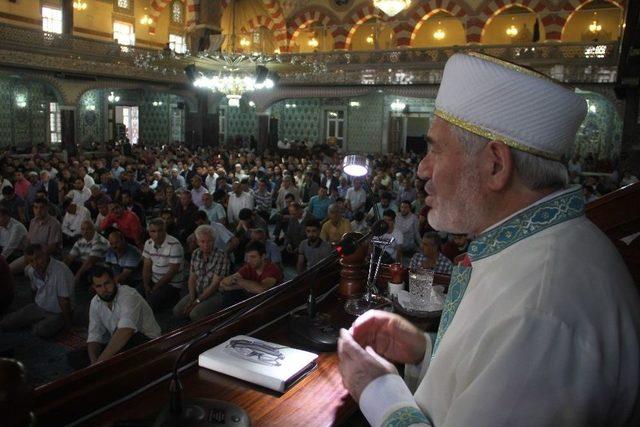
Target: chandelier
[244,42]
[313,42]
[512,31]
[391,7]
[370,39]
[439,34]
[79,5]
[146,20]
[595,27]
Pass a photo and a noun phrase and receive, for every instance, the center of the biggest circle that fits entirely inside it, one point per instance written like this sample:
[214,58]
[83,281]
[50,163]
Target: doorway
[417,127]
[127,115]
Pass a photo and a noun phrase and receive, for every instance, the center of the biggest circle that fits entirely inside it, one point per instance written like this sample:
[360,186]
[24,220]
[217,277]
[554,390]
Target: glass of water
[420,284]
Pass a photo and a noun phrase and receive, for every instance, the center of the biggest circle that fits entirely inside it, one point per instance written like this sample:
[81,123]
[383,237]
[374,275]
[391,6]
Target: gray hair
[536,172]
[334,207]
[205,229]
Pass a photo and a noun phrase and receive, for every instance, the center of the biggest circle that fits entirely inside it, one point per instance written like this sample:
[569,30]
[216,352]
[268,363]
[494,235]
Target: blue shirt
[130,259]
[318,207]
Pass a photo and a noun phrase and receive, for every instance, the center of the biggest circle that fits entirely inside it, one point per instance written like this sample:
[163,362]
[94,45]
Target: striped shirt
[263,201]
[162,257]
[96,247]
[129,259]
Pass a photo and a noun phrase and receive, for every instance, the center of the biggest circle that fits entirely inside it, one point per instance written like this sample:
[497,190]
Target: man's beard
[457,212]
[110,297]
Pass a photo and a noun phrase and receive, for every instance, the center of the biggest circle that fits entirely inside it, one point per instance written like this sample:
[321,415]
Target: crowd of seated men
[189,233]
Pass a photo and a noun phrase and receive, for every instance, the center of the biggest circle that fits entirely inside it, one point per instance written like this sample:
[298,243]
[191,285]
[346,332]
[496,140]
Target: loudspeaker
[261,73]
[190,71]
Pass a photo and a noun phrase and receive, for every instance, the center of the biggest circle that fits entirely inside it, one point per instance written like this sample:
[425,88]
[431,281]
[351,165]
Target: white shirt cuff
[413,374]
[384,395]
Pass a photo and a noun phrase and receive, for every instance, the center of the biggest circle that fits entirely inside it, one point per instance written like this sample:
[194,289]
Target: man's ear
[500,164]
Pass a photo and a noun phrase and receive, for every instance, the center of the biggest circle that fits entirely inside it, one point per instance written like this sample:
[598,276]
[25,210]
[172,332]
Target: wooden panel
[58,402]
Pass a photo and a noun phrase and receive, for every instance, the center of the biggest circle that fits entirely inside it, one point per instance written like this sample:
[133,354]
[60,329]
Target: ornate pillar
[67,116]
[209,24]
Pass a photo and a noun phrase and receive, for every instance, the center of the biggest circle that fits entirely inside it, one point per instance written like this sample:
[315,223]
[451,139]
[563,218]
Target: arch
[572,6]
[476,25]
[356,19]
[404,31]
[157,6]
[257,22]
[303,19]
[499,12]
[280,26]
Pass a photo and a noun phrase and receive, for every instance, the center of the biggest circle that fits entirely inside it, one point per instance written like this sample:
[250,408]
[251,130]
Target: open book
[260,362]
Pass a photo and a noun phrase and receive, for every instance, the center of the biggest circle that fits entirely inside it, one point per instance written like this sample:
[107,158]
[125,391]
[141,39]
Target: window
[123,33]
[335,125]
[124,4]
[55,123]
[177,43]
[176,12]
[51,20]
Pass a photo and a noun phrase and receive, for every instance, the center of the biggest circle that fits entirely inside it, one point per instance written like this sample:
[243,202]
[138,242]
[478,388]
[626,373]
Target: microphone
[347,246]
[379,228]
[384,242]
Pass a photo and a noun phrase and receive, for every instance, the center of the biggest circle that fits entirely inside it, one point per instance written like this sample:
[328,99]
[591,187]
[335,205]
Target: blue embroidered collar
[563,207]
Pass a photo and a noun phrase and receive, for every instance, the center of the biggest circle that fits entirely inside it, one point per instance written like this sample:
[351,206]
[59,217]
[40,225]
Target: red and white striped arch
[356,19]
[192,12]
[257,22]
[303,20]
[405,31]
[559,20]
[477,24]
[279,25]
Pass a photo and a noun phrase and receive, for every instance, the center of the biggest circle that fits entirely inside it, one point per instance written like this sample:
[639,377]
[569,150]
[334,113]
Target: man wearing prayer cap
[541,324]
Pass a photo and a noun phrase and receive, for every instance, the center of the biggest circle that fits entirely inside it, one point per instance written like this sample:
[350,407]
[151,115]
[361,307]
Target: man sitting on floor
[13,235]
[208,266]
[312,249]
[123,259]
[162,268]
[52,282]
[256,276]
[430,257]
[119,318]
[90,249]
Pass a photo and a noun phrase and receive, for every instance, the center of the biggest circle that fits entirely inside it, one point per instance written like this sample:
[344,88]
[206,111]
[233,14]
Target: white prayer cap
[505,102]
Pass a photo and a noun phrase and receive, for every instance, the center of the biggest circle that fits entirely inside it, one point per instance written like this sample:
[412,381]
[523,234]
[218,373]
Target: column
[67,115]
[67,17]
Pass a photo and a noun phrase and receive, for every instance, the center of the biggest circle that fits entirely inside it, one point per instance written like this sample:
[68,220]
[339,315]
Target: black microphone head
[348,245]
[380,227]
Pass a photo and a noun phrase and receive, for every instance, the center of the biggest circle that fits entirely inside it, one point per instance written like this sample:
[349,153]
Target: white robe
[547,334]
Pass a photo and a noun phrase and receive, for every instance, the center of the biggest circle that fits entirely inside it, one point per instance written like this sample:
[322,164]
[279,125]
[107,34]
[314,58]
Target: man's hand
[390,335]
[359,366]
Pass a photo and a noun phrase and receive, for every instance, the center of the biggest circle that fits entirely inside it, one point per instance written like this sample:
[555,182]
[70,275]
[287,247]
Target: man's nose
[424,168]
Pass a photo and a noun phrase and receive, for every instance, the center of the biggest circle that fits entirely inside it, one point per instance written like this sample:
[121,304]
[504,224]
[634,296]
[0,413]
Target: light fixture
[391,7]
[512,31]
[313,42]
[592,108]
[370,39]
[244,42]
[157,103]
[595,27]
[146,19]
[113,97]
[21,100]
[397,105]
[252,104]
[79,5]
[354,104]
[276,51]
[233,85]
[233,100]
[91,107]
[355,165]
[439,34]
